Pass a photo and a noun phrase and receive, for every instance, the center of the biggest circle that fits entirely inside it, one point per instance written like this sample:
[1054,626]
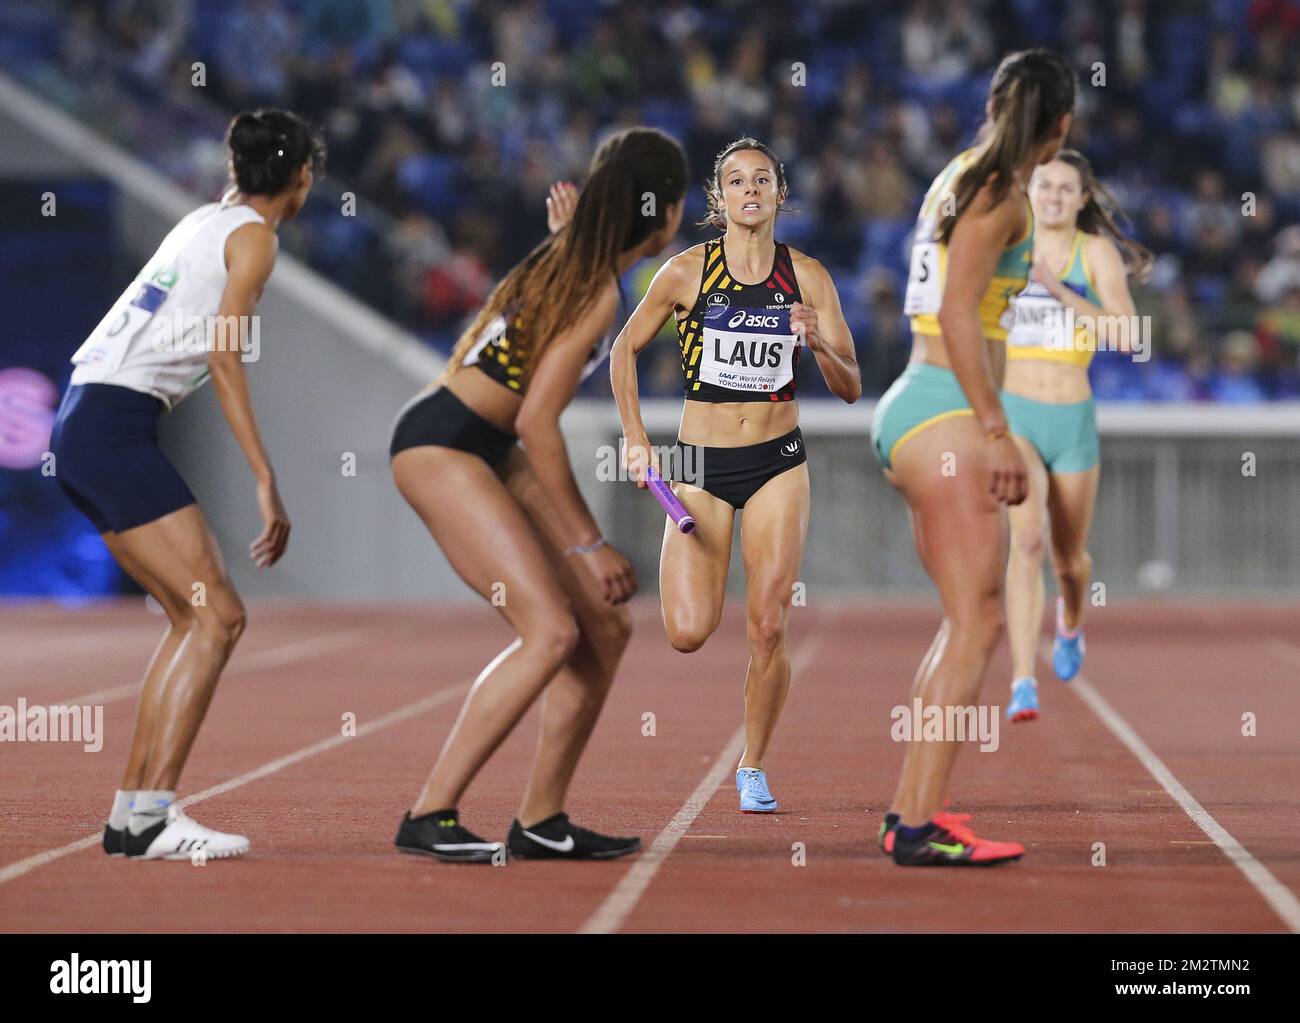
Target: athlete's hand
[637,456]
[1009,479]
[560,204]
[267,549]
[803,320]
[613,573]
[1041,271]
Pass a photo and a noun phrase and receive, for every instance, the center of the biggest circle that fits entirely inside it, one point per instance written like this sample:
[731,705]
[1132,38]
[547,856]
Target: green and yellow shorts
[922,396]
[1065,436]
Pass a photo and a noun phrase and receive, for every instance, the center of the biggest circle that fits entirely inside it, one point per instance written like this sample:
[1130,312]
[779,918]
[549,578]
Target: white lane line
[436,699]
[618,905]
[272,657]
[1288,652]
[1282,900]
[15,663]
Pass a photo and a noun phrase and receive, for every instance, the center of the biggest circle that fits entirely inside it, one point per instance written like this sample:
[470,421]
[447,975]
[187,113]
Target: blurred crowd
[452,117]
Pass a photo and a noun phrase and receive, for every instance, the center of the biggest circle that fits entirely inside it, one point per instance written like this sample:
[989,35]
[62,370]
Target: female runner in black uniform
[740,347]
[510,514]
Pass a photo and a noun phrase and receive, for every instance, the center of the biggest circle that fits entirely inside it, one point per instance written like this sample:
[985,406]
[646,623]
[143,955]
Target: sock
[121,812]
[891,820]
[915,834]
[148,808]
[1024,678]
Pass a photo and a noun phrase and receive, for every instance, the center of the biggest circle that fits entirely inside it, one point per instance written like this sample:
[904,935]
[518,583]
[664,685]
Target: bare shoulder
[679,278]
[811,273]
[1009,213]
[687,264]
[1099,249]
[251,249]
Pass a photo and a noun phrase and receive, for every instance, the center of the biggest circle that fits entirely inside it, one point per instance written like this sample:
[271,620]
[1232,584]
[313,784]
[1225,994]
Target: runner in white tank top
[186,318]
[157,335]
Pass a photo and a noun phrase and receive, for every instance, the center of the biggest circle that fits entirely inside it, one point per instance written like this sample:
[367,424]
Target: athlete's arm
[665,294]
[250,257]
[550,389]
[1111,279]
[824,331]
[974,247]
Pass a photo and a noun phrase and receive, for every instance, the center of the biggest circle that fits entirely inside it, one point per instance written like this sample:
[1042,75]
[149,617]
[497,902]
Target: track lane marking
[1288,652]
[410,710]
[611,914]
[1279,897]
[272,657]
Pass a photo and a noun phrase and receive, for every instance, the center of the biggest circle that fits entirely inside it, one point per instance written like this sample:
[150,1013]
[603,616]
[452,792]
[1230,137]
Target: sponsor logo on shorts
[790,449]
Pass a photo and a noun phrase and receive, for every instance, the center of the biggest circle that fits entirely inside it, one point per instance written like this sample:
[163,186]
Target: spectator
[253,57]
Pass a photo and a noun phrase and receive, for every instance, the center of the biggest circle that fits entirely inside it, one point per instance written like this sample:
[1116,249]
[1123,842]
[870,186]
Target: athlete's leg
[772,533]
[495,551]
[961,535]
[905,777]
[574,698]
[179,618]
[1071,499]
[693,569]
[177,559]
[1026,591]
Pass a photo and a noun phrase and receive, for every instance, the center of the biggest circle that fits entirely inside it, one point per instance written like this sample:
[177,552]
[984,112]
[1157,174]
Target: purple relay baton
[668,500]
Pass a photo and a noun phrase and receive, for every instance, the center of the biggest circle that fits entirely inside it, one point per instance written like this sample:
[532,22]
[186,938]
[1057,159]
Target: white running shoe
[180,838]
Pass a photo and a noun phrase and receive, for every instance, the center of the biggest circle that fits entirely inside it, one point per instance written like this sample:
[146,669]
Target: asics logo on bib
[744,319]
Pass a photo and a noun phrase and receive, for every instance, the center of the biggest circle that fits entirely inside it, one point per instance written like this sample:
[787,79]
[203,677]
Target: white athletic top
[156,337]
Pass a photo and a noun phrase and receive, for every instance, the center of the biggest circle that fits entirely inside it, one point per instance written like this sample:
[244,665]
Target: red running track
[321,808]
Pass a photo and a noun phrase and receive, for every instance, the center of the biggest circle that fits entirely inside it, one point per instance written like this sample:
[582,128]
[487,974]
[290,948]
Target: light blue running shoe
[1024,699]
[1067,651]
[755,797]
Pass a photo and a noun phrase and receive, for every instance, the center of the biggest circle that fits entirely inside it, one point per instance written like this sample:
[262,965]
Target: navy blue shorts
[107,459]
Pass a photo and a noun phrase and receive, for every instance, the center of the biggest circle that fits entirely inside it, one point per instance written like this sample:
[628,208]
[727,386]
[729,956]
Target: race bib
[749,350]
[1034,319]
[107,345]
[491,334]
[924,288]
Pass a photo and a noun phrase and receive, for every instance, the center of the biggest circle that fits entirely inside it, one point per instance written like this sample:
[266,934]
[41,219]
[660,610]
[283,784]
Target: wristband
[590,548]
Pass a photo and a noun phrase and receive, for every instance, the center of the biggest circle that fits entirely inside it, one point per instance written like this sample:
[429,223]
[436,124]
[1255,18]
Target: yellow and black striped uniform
[504,349]
[736,343]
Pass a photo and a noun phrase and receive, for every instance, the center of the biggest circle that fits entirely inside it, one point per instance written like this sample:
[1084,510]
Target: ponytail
[634,177]
[1030,92]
